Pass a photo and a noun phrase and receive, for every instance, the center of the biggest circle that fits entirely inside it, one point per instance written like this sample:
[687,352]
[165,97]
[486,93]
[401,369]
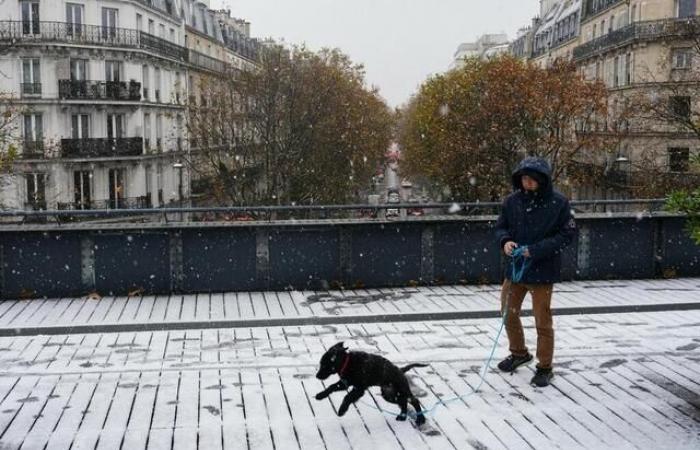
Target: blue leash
[516,277]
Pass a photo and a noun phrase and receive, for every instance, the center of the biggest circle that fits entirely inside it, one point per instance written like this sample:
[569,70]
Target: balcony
[686,28]
[31,89]
[592,8]
[32,150]
[99,90]
[101,147]
[115,203]
[13,31]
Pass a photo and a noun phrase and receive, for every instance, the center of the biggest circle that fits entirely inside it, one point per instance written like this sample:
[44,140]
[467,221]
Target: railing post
[262,257]
[427,263]
[177,275]
[345,255]
[583,255]
[87,262]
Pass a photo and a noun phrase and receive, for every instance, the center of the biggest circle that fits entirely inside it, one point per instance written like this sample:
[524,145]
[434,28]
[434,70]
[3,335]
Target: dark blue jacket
[541,220]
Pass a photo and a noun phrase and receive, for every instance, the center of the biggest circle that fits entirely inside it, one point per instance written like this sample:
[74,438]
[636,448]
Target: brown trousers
[513,294]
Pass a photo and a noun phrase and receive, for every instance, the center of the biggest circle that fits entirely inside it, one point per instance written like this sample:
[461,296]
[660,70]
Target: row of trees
[304,128]
[467,129]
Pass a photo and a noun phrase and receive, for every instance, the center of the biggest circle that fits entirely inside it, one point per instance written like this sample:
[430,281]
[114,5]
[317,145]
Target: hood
[536,164]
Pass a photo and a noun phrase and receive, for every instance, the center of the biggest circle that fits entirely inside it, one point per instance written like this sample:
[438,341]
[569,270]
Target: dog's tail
[411,366]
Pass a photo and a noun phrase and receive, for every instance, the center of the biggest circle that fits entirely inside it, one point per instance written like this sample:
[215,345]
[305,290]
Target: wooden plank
[176,304]
[28,409]
[64,433]
[103,307]
[187,412]
[280,411]
[115,310]
[255,410]
[90,429]
[217,307]
[163,419]
[115,422]
[139,423]
[143,314]
[45,424]
[160,308]
[202,307]
[273,304]
[234,423]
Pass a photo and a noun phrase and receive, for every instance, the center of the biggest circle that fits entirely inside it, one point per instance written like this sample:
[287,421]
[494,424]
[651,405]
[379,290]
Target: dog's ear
[340,346]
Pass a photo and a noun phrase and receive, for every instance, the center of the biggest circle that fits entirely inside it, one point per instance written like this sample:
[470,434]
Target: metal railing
[14,31]
[99,90]
[95,206]
[639,31]
[207,62]
[96,147]
[32,150]
[591,8]
[410,211]
[30,89]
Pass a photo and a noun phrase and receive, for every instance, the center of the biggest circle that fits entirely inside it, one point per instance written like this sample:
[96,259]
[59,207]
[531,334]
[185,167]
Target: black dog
[362,370]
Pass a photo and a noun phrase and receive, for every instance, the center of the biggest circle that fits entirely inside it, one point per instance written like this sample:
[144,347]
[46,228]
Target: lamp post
[179,166]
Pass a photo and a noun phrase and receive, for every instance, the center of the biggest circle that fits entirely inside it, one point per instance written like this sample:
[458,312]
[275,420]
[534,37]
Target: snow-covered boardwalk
[624,379]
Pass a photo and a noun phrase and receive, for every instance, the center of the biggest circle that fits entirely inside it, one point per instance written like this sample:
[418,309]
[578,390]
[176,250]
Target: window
[161,31]
[109,23]
[33,134]
[147,130]
[628,68]
[80,126]
[679,107]
[151,27]
[30,17]
[31,77]
[36,190]
[159,183]
[139,22]
[172,36]
[594,31]
[678,159]
[115,126]
[159,132]
[682,58]
[156,84]
[685,8]
[602,28]
[611,23]
[616,72]
[178,87]
[78,69]
[74,19]
[82,189]
[113,70]
[146,82]
[117,178]
[149,185]
[633,13]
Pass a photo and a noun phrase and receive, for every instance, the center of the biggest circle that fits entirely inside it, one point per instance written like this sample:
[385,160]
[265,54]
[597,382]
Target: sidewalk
[251,309]
[623,380]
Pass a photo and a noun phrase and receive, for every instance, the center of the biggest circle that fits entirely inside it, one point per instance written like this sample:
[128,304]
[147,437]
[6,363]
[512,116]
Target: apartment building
[103,87]
[642,50]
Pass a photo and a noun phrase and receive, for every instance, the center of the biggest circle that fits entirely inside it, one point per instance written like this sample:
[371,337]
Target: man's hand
[509,247]
[526,252]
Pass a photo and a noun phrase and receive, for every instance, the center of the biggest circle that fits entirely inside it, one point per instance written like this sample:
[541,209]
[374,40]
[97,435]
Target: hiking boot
[512,362]
[542,377]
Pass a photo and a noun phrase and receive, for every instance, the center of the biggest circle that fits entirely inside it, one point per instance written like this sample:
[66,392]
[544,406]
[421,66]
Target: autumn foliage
[467,129]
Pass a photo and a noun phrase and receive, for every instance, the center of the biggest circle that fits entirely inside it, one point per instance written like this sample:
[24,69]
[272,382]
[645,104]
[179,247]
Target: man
[537,219]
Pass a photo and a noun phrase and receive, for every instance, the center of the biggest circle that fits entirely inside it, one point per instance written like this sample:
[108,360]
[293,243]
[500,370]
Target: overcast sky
[400,42]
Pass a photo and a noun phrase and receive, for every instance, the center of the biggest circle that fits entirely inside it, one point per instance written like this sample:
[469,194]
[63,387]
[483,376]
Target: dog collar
[344,366]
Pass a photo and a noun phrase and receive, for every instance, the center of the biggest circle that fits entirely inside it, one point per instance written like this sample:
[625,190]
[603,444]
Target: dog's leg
[349,399]
[403,404]
[339,386]
[420,417]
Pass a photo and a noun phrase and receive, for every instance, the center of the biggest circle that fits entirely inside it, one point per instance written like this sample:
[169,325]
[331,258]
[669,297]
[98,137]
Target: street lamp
[179,166]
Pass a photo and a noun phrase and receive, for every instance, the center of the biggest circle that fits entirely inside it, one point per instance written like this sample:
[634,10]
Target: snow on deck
[623,380]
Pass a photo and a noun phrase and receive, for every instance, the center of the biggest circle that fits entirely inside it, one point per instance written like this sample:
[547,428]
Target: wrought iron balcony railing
[30,89]
[70,33]
[99,90]
[101,147]
[32,150]
[687,28]
[113,203]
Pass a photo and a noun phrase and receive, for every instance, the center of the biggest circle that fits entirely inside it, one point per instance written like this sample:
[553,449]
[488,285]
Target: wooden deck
[622,380]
